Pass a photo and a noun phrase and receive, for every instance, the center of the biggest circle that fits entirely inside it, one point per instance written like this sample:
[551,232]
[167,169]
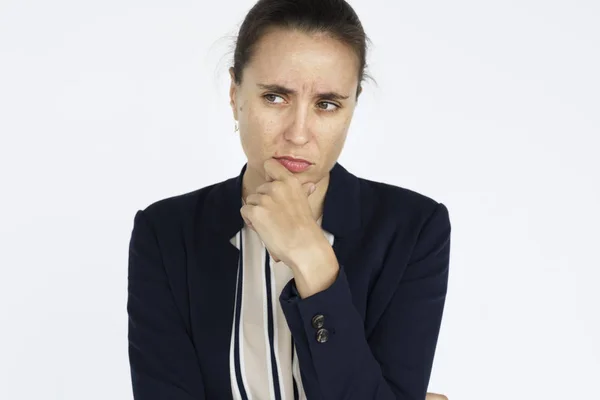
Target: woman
[295,279]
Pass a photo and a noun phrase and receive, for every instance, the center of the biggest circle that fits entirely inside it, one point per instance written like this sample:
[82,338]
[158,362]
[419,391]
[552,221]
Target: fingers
[275,259]
[247,221]
[434,396]
[270,188]
[274,189]
[308,188]
[274,171]
[249,224]
[256,199]
[243,213]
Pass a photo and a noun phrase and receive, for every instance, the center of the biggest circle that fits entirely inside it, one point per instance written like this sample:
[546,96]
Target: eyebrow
[288,91]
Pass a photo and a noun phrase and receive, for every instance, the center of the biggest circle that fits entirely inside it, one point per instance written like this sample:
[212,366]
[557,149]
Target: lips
[294,165]
[293,159]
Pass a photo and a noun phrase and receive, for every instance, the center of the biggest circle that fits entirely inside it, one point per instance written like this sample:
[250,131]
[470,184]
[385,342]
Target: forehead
[296,59]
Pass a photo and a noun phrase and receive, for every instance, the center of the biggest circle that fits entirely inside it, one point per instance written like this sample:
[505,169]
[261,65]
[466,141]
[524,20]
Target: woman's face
[297,98]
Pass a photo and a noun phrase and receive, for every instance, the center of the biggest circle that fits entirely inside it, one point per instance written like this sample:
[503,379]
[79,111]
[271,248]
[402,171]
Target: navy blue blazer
[383,311]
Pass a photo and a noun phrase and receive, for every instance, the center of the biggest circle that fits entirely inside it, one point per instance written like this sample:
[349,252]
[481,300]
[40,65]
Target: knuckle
[277,187]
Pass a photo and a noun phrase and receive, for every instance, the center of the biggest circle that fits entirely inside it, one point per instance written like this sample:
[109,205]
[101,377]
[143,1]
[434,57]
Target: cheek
[259,134]
[333,139]
[256,117]
[332,142]
[263,123]
[334,130]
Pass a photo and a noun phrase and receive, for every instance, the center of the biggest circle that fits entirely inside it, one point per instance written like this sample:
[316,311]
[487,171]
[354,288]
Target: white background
[491,107]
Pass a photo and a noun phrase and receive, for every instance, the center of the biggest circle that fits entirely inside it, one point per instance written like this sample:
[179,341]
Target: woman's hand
[279,212]
[281,215]
[433,396]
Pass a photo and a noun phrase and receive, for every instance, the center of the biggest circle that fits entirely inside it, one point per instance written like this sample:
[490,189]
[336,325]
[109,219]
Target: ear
[358,91]
[232,94]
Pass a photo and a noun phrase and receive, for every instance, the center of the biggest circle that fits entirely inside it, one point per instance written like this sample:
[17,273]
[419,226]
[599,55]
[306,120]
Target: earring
[236,127]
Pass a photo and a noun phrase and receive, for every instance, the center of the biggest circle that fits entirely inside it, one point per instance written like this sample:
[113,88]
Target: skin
[434,396]
[281,206]
[299,119]
[302,125]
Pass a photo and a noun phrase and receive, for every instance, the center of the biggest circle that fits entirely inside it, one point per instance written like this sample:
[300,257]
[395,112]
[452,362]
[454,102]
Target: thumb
[309,188]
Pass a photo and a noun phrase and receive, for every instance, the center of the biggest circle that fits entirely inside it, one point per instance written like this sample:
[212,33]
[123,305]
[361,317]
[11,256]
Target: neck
[252,180]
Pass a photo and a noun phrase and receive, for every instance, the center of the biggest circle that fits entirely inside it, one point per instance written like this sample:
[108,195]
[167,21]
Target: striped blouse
[262,357]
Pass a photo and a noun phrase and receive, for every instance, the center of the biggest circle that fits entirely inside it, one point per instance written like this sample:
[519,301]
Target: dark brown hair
[334,17]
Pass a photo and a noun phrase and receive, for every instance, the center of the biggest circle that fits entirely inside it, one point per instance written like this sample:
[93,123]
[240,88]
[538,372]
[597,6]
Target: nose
[298,131]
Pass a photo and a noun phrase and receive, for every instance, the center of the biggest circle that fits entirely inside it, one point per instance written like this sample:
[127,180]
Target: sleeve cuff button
[322,335]
[318,321]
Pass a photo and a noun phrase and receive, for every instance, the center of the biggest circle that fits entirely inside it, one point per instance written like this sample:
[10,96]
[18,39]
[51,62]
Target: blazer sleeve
[395,361]
[162,358]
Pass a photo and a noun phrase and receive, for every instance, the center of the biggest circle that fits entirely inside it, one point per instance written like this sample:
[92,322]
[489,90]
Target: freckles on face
[288,97]
[259,133]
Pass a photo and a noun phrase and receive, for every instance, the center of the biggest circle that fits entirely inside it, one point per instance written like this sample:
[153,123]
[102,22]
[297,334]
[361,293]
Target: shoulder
[176,206]
[177,211]
[407,208]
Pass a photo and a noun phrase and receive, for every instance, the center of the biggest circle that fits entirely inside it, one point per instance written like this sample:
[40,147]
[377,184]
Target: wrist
[315,271]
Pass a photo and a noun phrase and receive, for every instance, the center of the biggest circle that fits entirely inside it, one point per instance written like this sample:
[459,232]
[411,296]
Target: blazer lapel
[212,280]
[342,213]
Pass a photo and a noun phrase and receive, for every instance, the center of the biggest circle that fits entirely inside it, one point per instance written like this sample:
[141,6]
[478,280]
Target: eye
[326,103]
[269,97]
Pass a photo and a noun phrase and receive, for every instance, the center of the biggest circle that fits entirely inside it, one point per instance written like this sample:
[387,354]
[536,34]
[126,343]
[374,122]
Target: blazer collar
[341,210]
